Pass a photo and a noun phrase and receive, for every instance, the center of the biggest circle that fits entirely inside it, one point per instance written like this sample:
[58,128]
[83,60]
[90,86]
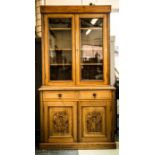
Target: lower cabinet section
[77,123]
[60,122]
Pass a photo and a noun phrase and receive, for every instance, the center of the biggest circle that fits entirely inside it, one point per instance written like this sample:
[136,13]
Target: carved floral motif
[94,121]
[61,122]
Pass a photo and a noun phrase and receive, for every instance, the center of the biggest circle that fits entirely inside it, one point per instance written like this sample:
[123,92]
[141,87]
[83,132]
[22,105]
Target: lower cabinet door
[60,122]
[94,119]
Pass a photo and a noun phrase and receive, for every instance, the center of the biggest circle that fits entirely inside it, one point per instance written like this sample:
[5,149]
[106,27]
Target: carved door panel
[60,122]
[94,121]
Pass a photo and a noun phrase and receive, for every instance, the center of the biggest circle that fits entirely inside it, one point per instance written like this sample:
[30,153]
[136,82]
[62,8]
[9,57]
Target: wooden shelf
[91,64]
[92,50]
[60,64]
[60,29]
[101,47]
[64,49]
[91,28]
[88,88]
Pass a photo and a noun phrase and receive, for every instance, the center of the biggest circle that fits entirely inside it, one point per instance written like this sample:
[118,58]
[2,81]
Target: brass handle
[94,95]
[59,95]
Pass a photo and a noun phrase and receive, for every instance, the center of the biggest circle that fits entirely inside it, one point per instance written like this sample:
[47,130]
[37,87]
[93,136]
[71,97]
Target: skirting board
[76,146]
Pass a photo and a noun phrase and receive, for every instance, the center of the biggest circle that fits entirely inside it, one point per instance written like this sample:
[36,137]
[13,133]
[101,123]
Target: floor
[99,152]
[80,152]
[55,152]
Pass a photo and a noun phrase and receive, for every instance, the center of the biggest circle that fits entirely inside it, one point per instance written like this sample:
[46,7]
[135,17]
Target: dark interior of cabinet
[38,82]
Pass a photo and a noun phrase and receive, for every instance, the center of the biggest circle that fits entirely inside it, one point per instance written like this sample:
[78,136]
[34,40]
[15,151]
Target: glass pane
[91,22]
[60,57]
[60,22]
[92,72]
[60,39]
[60,72]
[91,54]
[91,44]
[60,48]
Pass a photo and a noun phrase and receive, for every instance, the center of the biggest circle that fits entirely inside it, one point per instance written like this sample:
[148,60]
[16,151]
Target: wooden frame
[73,100]
[75,9]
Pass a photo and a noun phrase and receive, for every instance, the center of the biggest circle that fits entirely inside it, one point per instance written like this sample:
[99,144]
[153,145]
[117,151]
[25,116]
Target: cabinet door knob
[59,95]
[94,95]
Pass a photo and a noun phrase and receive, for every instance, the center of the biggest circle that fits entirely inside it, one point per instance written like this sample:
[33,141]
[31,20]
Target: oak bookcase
[76,100]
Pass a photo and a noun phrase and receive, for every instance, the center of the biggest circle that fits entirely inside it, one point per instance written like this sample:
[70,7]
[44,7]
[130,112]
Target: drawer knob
[59,95]
[94,95]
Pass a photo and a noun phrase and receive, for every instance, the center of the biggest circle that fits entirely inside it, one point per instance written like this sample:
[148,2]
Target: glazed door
[92,49]
[59,49]
[94,121]
[60,122]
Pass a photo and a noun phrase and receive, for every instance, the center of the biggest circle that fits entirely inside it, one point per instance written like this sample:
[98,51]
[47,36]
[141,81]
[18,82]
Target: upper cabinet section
[75,46]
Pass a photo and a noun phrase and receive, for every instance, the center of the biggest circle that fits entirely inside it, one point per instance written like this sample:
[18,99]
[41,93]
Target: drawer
[59,95]
[95,95]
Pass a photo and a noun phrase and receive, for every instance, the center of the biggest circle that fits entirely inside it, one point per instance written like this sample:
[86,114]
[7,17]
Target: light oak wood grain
[75,146]
[75,9]
[68,109]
